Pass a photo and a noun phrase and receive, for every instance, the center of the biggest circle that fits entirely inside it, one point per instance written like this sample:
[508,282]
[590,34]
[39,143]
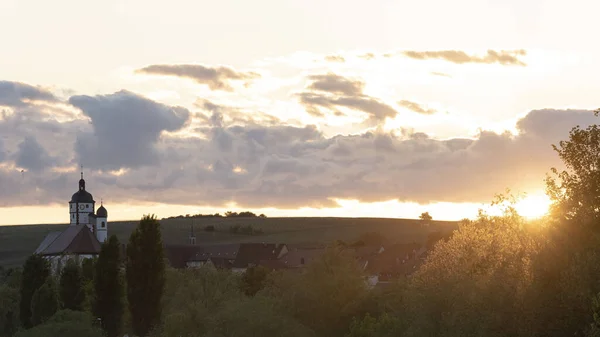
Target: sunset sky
[288,108]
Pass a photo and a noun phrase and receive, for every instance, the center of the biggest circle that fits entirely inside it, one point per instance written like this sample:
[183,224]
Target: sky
[288,108]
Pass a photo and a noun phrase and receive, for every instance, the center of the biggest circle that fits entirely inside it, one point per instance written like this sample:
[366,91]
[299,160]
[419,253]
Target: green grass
[18,242]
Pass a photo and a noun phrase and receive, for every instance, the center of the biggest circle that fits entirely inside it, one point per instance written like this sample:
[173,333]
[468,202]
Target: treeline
[228,214]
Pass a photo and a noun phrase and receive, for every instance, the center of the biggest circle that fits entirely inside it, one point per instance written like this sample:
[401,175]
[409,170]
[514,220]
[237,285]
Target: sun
[533,205]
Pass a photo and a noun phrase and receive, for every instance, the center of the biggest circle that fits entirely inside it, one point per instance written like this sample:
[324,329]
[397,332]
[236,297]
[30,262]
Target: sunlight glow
[534,205]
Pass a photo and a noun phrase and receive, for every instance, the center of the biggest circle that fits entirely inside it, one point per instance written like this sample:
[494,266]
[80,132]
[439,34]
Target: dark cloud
[125,129]
[416,107]
[15,94]
[217,78]
[32,156]
[335,58]
[336,84]
[503,57]
[331,91]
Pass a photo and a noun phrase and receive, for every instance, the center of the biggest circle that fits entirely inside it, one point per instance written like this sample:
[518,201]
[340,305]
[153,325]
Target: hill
[18,242]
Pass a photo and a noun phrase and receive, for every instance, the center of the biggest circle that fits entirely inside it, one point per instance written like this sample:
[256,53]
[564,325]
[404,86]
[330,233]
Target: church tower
[82,204]
[101,223]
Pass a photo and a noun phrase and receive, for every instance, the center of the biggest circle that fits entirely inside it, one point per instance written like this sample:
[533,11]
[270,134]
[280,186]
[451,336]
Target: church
[87,230]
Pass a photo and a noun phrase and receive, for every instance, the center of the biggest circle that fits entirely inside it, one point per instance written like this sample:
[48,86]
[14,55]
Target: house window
[103,224]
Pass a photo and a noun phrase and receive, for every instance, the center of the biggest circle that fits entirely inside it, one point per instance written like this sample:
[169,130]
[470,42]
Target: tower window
[103,224]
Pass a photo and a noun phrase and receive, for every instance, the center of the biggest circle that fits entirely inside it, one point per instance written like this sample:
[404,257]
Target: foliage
[209,228]
[192,296]
[228,214]
[383,326]
[9,310]
[247,230]
[72,293]
[44,302]
[145,274]
[256,316]
[325,297]
[11,277]
[575,190]
[35,272]
[87,269]
[425,217]
[108,286]
[253,280]
[64,323]
[476,282]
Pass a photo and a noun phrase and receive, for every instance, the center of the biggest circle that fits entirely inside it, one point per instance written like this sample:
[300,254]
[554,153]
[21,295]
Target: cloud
[367,56]
[216,78]
[336,84]
[331,91]
[416,107]
[16,94]
[335,58]
[2,153]
[435,73]
[260,165]
[125,129]
[503,57]
[32,156]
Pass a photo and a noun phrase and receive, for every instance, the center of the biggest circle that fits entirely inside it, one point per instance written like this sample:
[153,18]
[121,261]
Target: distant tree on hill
[109,288]
[35,272]
[72,293]
[145,275]
[425,217]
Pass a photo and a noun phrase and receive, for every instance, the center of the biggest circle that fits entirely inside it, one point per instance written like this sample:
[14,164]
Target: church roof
[101,212]
[82,196]
[74,240]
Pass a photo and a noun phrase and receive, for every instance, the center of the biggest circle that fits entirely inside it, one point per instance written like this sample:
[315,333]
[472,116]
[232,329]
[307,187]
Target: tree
[72,292]
[35,272]
[9,310]
[65,323]
[256,316]
[145,275]
[108,287]
[425,217]
[326,296]
[576,190]
[192,296]
[253,280]
[44,302]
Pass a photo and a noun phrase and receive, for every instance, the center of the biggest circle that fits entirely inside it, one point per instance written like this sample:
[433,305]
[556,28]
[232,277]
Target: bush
[209,228]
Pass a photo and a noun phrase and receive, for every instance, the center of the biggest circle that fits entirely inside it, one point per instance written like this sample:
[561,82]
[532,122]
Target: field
[18,242]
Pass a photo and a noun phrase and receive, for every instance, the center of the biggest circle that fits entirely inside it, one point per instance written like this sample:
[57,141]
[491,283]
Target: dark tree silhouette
[145,275]
[35,272]
[72,293]
[109,288]
[44,302]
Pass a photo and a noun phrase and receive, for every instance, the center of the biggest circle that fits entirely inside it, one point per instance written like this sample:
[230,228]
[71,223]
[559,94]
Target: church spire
[81,181]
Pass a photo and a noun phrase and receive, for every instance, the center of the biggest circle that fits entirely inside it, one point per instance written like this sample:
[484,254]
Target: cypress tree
[108,287]
[145,275]
[35,272]
[72,293]
[44,302]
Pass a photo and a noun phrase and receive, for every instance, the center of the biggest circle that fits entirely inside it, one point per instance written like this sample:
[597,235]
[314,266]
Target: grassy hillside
[18,242]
